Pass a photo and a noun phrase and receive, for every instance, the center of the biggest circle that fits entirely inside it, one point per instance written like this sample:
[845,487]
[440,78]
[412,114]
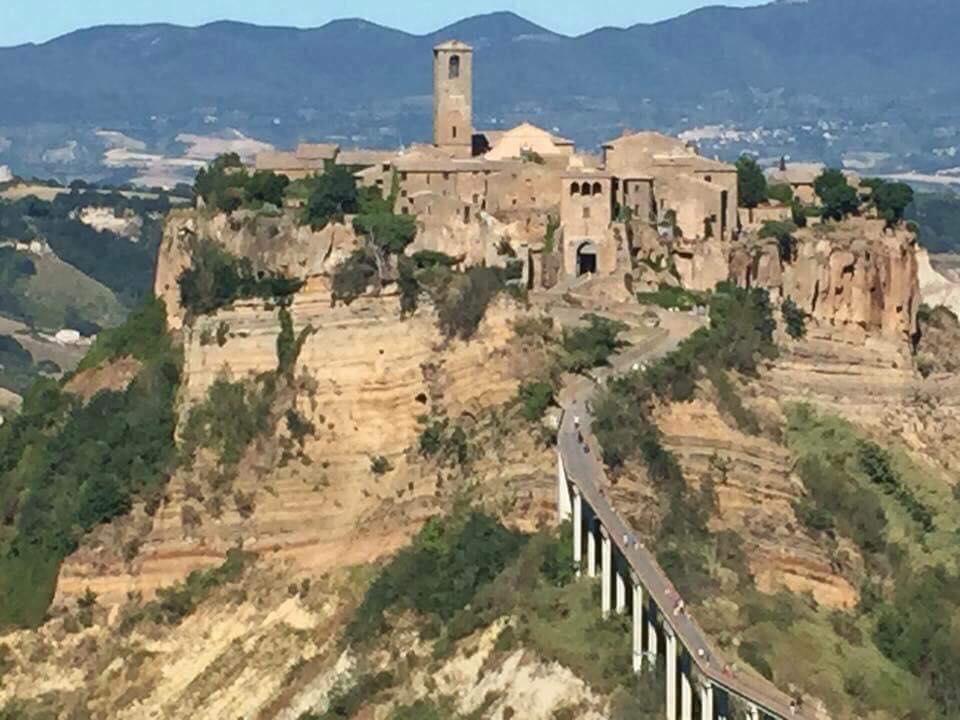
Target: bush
[535,398]
[794,319]
[353,276]
[462,303]
[592,346]
[672,298]
[440,573]
[782,193]
[216,278]
[752,654]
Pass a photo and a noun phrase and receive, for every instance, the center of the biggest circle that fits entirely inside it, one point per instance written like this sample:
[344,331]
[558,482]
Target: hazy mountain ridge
[855,61]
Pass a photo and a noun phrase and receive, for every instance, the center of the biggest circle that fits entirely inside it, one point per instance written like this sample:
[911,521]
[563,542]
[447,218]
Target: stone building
[474,190]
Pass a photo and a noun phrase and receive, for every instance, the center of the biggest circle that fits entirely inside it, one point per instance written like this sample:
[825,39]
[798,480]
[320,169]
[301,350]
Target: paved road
[586,471]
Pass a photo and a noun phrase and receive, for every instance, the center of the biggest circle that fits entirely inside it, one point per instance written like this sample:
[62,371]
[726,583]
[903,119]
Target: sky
[23,21]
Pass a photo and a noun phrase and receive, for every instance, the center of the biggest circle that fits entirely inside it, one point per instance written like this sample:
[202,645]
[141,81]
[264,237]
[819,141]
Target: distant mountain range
[818,71]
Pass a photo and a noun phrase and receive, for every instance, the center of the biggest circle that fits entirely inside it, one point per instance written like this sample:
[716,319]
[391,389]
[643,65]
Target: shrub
[380,465]
[671,297]
[794,319]
[592,346]
[752,654]
[353,276]
[227,421]
[440,573]
[836,196]
[782,193]
[216,278]
[462,303]
[535,398]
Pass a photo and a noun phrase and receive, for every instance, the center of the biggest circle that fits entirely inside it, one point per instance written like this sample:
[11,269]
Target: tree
[892,200]
[751,182]
[222,185]
[836,196]
[267,187]
[332,196]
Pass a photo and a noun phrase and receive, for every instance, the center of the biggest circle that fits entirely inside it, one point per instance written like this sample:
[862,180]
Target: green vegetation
[794,319]
[535,397]
[740,333]
[215,278]
[782,193]
[672,297]
[353,276]
[591,346]
[938,219]
[66,466]
[751,182]
[175,603]
[17,369]
[225,185]
[837,198]
[348,697]
[143,336]
[439,574]
[462,299]
[890,198]
[444,441]
[904,523]
[330,197]
[14,267]
[229,419]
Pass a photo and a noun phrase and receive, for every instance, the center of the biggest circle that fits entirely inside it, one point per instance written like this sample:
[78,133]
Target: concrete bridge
[633,582]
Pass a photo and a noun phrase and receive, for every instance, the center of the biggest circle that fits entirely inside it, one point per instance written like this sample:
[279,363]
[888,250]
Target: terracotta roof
[365,157]
[317,151]
[796,173]
[279,161]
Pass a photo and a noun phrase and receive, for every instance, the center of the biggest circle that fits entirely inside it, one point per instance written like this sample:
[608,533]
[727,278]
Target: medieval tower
[453,98]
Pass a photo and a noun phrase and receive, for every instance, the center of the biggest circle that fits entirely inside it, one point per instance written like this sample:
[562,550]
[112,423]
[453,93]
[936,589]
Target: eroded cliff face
[274,243]
[365,380]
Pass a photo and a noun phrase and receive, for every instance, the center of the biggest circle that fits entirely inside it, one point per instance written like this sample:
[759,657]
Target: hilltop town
[498,427]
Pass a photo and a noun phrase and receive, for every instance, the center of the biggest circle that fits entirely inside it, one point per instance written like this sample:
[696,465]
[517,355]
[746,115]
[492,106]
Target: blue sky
[24,21]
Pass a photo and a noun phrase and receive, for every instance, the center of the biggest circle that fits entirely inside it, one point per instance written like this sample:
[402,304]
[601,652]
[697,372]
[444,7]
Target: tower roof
[454,45]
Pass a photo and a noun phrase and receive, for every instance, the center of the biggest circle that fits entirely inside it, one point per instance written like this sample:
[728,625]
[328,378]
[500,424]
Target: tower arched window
[597,188]
[575,188]
[454,67]
[586,189]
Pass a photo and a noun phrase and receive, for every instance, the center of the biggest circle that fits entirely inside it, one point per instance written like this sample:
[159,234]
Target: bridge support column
[592,547]
[754,712]
[577,530]
[563,490]
[706,701]
[621,596]
[606,560]
[671,672]
[651,638]
[637,625]
[686,693]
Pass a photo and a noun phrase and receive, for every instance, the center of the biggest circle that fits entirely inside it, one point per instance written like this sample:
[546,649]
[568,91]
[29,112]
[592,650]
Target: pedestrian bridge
[633,582]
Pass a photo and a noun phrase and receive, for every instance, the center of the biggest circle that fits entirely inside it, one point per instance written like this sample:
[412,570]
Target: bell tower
[453,98]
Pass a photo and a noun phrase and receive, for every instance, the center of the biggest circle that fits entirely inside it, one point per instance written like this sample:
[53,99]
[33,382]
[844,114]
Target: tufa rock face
[274,243]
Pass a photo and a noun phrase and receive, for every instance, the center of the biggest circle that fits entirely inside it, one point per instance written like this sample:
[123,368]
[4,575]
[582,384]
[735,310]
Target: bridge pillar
[686,693]
[671,672]
[621,597]
[563,490]
[706,701]
[637,625]
[651,638]
[754,712]
[606,559]
[592,547]
[577,529]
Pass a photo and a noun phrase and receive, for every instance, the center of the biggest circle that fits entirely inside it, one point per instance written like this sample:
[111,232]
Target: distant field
[43,192]
[66,357]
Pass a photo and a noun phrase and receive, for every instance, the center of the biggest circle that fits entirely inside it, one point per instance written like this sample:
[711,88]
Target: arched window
[586,189]
[454,67]
[597,189]
[574,188]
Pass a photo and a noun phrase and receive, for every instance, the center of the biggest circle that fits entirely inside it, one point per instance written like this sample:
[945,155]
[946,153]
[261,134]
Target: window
[586,213]
[586,189]
[574,188]
[454,132]
[403,176]
[597,189]
[454,67]
[708,178]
